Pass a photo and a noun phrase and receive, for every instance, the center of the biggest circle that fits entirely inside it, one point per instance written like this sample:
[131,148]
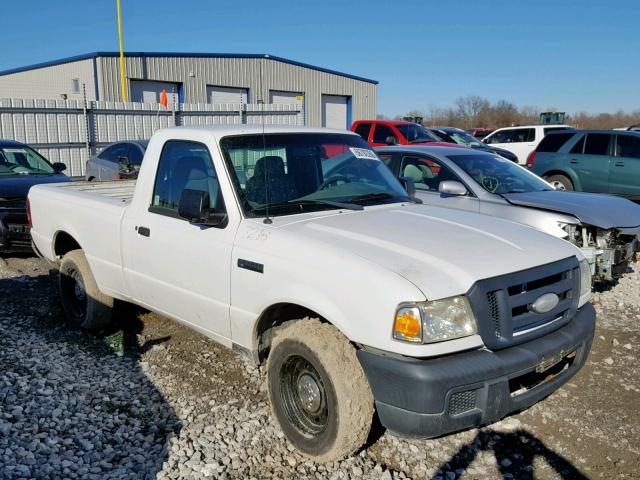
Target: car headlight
[435,321]
[585,278]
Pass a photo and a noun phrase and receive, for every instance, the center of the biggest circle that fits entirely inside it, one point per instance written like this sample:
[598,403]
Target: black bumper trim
[412,395]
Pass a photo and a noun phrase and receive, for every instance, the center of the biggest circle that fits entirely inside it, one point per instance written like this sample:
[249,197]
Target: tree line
[473,111]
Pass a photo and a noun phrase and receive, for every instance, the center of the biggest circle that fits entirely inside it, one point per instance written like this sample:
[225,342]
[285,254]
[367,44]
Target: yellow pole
[123,73]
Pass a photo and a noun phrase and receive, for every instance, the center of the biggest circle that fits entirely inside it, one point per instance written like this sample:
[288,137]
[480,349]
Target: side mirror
[194,207]
[409,185]
[59,167]
[391,140]
[452,187]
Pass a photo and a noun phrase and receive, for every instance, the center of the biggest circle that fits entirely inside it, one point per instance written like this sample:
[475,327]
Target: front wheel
[85,305]
[319,394]
[560,182]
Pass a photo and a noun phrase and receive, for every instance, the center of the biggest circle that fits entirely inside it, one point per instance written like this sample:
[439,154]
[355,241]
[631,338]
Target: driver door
[427,173]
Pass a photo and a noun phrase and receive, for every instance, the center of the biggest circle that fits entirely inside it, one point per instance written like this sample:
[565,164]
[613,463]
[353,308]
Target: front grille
[502,304]
[462,402]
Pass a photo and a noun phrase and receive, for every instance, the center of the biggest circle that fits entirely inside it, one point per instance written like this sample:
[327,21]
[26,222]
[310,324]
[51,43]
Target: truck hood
[441,251]
[17,186]
[603,211]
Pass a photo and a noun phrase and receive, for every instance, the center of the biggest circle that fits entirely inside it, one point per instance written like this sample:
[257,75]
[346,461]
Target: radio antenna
[267,219]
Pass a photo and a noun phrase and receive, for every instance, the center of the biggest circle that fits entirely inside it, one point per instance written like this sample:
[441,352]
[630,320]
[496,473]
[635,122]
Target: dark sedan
[460,137]
[21,167]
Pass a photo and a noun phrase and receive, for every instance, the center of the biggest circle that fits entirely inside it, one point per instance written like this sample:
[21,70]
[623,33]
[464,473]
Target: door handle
[619,164]
[573,160]
[144,231]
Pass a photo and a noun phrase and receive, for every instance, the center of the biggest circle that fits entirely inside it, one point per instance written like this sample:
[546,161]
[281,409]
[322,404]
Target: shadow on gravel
[515,454]
[69,406]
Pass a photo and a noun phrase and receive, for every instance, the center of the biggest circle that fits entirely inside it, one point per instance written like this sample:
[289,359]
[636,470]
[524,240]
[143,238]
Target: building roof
[94,55]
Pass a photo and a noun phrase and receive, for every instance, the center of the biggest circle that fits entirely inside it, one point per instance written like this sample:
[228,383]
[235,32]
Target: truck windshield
[415,133]
[294,173]
[19,160]
[498,175]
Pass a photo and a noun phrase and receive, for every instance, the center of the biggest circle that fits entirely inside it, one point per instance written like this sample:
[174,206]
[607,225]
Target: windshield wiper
[297,205]
[378,196]
[345,205]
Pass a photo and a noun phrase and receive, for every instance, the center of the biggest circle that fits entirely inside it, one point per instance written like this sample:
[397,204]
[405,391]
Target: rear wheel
[560,182]
[85,305]
[319,394]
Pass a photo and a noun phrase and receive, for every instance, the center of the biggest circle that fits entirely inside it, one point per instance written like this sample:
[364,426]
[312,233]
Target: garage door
[335,111]
[227,95]
[278,96]
[149,91]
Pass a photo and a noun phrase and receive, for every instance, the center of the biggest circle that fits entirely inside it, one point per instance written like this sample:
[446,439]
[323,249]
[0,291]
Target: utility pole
[123,73]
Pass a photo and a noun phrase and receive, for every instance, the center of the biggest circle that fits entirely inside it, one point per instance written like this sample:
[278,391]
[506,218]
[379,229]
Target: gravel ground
[157,400]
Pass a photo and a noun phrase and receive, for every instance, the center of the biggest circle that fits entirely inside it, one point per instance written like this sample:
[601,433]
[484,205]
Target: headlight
[585,277]
[435,321]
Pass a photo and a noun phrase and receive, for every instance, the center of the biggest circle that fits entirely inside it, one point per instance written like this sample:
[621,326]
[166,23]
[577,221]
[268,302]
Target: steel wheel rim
[303,395]
[75,292]
[558,185]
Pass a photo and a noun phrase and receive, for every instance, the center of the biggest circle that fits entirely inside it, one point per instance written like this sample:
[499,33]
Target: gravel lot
[156,400]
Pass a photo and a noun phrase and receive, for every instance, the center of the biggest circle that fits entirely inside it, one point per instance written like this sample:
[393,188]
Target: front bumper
[14,231]
[426,398]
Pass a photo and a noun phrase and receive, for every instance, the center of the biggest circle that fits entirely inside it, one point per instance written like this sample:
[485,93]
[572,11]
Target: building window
[75,85]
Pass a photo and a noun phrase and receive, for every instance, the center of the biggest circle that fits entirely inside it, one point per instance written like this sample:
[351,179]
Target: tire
[319,394]
[85,305]
[560,182]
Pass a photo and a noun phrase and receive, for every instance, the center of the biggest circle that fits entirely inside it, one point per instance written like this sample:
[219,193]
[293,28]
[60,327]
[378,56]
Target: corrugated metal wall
[241,72]
[67,132]
[50,82]
[259,75]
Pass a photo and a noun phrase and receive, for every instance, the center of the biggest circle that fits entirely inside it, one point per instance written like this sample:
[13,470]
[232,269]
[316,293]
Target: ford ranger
[299,248]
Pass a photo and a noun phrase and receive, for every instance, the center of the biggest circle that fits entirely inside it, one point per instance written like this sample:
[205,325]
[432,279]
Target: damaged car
[604,227]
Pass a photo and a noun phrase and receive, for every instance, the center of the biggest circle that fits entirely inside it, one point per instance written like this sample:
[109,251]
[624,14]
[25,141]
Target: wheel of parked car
[560,182]
[318,391]
[85,305]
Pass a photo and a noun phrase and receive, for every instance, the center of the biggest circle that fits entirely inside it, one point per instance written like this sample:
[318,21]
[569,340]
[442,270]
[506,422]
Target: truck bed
[118,190]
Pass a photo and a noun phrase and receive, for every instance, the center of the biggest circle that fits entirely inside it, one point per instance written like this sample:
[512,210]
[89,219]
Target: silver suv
[119,161]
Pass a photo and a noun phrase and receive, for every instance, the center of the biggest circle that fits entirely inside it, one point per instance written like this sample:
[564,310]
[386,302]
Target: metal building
[329,98]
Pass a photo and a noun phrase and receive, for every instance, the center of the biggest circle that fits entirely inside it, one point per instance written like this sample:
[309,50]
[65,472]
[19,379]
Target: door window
[183,166]
[628,146]
[597,144]
[426,173]
[381,133]
[363,130]
[579,146]
[114,152]
[514,135]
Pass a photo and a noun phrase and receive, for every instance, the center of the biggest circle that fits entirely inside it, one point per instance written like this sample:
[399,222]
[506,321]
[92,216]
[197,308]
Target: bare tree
[470,107]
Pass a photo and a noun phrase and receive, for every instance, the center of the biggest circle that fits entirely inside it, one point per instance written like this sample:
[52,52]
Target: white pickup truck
[299,248]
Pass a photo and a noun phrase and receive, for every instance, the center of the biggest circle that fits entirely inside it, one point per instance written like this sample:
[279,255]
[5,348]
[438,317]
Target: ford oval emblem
[545,303]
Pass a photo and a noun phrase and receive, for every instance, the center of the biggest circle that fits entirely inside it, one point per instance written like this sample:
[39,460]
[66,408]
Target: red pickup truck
[379,133]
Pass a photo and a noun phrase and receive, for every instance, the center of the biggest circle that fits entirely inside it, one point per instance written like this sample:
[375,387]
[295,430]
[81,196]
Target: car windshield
[463,138]
[498,175]
[22,160]
[415,133]
[283,174]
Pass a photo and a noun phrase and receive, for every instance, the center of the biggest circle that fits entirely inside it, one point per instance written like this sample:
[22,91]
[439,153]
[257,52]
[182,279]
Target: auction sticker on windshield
[363,153]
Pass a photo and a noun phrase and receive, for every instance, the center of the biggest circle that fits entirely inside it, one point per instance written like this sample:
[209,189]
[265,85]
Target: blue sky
[571,55]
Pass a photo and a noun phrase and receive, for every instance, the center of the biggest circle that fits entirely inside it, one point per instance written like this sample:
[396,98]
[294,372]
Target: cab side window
[363,130]
[381,133]
[426,173]
[184,165]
